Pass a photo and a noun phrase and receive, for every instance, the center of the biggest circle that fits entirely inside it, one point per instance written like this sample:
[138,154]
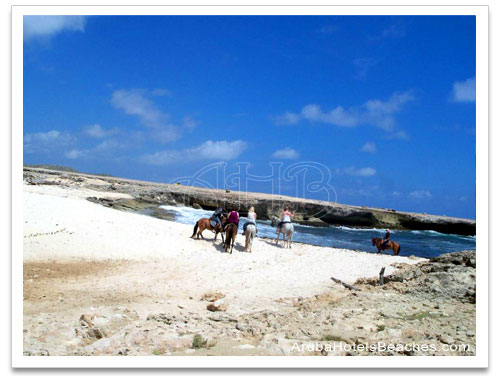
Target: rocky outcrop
[451,275]
[148,195]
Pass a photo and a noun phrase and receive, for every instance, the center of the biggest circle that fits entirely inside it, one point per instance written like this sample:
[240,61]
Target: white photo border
[482,250]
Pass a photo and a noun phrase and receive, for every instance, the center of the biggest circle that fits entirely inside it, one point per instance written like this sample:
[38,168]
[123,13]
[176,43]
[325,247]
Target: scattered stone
[218,305]
[444,338]
[212,296]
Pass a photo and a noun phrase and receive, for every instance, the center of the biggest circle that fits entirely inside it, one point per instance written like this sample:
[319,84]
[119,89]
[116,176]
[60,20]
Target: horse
[287,230]
[205,224]
[389,245]
[230,235]
[250,234]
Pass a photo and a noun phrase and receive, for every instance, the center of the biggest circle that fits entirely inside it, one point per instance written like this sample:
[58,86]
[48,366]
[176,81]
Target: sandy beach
[77,231]
[87,266]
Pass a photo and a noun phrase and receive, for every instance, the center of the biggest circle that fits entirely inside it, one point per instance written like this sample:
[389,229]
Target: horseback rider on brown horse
[215,224]
[230,228]
[386,243]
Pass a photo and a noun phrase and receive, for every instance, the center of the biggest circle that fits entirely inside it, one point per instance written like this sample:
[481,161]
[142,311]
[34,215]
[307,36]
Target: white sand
[60,225]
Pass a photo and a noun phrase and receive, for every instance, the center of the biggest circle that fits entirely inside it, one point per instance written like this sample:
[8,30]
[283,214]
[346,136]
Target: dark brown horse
[389,245]
[230,236]
[205,224]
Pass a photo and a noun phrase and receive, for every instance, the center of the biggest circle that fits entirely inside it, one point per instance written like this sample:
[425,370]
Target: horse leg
[246,243]
[396,249]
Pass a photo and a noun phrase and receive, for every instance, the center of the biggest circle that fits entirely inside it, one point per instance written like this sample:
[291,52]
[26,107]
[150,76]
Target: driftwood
[345,284]
[382,276]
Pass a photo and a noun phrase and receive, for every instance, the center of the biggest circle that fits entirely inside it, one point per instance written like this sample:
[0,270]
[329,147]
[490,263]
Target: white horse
[250,234]
[287,230]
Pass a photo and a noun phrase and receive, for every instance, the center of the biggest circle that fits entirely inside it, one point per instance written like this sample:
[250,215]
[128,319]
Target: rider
[285,218]
[217,215]
[233,218]
[386,239]
[251,219]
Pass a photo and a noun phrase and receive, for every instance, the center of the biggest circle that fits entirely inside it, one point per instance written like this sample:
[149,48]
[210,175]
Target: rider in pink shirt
[233,218]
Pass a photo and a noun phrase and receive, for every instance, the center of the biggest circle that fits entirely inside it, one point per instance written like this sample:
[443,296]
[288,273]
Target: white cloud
[134,102]
[337,116]
[422,194]
[286,153]
[74,153]
[209,150]
[96,131]
[362,66]
[398,135]
[190,123]
[44,27]
[464,91]
[46,141]
[369,147]
[109,145]
[352,171]
[107,148]
[288,118]
[392,31]
[373,112]
[167,134]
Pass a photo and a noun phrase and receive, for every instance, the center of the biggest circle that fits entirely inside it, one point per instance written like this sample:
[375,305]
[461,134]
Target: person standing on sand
[286,216]
[251,219]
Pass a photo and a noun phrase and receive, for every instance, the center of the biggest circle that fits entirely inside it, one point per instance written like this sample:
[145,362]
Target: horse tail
[195,229]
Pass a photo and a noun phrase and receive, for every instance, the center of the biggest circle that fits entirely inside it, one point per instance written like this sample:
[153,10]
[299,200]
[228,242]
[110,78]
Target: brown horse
[230,236]
[389,245]
[205,224]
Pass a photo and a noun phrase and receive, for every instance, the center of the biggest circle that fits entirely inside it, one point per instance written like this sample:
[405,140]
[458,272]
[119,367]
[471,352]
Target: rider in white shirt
[251,219]
[286,216]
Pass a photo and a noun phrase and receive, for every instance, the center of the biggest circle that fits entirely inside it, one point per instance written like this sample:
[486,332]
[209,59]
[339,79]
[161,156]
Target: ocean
[418,243]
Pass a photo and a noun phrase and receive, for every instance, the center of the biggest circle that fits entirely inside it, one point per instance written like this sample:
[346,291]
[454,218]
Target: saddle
[386,245]
[213,222]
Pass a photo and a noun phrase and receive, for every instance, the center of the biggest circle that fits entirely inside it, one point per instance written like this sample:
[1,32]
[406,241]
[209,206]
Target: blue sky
[386,104]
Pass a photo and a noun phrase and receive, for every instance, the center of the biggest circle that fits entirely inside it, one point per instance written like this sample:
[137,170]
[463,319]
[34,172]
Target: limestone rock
[212,296]
[217,305]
